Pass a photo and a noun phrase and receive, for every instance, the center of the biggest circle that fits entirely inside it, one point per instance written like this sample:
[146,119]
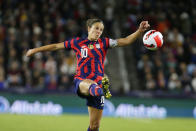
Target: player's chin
[96,37]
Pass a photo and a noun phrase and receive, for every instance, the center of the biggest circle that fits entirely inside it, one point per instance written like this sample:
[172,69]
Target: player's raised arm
[51,47]
[132,37]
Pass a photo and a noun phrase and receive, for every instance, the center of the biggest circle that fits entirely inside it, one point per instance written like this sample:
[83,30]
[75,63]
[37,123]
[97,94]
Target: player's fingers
[142,25]
[147,25]
[145,22]
[29,52]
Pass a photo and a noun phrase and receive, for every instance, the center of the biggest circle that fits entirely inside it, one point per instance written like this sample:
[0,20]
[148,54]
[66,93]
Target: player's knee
[84,91]
[84,86]
[94,126]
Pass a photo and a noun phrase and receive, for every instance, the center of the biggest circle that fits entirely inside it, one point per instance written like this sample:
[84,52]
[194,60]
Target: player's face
[95,31]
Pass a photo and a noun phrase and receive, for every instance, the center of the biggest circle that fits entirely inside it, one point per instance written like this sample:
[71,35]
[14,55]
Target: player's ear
[88,28]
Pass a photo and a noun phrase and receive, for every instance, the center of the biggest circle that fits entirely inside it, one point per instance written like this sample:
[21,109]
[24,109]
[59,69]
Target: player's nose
[99,32]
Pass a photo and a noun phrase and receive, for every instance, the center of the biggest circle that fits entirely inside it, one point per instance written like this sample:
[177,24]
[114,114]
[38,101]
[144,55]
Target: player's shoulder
[104,38]
[109,42]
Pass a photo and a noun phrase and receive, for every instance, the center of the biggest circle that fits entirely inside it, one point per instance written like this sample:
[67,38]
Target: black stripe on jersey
[104,43]
[87,64]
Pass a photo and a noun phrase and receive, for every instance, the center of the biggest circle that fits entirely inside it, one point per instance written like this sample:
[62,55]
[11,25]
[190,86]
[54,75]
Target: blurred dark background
[133,70]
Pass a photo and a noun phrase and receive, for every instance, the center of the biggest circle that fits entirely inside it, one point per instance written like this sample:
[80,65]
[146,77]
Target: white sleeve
[112,43]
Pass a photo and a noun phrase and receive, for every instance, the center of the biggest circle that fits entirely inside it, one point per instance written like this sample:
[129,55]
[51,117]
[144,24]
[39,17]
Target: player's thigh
[95,116]
[84,86]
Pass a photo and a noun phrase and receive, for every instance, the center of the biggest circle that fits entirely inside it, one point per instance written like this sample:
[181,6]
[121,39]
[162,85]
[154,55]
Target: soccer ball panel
[153,40]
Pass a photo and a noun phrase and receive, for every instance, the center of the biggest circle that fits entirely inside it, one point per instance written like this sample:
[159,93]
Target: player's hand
[30,52]
[144,26]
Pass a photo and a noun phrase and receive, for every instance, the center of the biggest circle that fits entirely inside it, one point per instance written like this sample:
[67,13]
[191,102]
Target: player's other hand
[144,26]
[30,52]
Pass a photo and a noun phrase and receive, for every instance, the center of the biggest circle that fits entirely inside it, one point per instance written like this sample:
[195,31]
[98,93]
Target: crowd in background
[171,68]
[29,24]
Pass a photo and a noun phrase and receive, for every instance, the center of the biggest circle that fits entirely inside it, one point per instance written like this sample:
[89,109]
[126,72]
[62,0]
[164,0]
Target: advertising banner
[119,107]
[25,107]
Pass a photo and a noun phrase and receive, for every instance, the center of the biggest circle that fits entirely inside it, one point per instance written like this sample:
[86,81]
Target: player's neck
[91,39]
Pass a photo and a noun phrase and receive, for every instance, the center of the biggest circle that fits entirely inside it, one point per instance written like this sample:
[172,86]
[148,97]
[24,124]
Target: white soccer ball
[153,40]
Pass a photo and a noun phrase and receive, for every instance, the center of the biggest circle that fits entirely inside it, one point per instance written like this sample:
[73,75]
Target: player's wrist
[140,30]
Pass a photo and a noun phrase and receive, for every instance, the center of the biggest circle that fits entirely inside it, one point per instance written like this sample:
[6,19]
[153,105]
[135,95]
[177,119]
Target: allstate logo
[194,112]
[109,108]
[4,105]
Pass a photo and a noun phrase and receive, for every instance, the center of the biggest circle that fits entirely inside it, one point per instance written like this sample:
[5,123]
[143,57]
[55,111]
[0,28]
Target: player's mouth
[97,35]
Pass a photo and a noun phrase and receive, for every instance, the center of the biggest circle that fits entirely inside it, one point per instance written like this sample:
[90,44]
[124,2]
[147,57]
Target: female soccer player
[90,53]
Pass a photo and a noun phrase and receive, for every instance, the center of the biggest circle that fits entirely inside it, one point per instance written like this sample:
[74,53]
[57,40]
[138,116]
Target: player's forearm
[129,39]
[51,47]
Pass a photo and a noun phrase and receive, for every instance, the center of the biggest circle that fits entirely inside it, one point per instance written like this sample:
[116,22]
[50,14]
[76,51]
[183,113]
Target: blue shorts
[93,101]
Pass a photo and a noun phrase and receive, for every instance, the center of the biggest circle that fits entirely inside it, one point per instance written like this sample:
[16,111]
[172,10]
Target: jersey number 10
[84,52]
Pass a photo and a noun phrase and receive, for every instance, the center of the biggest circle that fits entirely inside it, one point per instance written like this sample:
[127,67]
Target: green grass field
[9,122]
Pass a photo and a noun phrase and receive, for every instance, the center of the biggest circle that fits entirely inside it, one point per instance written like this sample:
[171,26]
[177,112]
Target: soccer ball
[153,40]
